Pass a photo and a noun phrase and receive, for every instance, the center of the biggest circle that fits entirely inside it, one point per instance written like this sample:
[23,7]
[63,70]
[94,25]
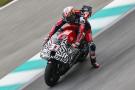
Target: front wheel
[51,77]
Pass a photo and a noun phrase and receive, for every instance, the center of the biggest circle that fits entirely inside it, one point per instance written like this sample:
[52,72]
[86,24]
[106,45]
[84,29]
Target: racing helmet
[87,8]
[69,13]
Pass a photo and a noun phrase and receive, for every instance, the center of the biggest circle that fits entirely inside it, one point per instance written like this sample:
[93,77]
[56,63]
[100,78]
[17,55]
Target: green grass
[4,2]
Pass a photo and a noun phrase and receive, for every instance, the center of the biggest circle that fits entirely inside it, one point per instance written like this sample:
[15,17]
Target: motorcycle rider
[77,20]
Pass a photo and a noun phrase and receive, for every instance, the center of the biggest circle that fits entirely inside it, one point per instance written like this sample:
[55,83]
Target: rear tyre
[51,77]
[83,57]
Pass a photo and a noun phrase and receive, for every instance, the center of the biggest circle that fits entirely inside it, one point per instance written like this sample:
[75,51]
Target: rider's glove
[76,44]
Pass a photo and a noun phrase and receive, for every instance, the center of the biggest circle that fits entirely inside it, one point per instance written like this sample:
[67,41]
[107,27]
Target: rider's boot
[93,60]
[93,55]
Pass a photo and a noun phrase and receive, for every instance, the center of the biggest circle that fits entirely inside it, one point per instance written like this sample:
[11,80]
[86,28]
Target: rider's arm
[81,34]
[56,27]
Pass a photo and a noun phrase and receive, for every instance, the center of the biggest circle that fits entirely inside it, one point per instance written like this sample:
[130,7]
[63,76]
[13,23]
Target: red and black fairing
[69,34]
[57,48]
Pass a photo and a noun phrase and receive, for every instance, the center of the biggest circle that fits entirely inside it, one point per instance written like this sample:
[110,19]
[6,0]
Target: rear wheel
[85,50]
[51,76]
[82,57]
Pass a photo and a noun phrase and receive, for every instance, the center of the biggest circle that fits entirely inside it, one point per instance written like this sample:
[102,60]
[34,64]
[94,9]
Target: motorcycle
[61,55]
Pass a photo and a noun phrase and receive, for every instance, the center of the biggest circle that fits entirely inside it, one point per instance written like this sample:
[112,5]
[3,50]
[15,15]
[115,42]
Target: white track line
[117,20]
[8,4]
[19,76]
[120,3]
[102,22]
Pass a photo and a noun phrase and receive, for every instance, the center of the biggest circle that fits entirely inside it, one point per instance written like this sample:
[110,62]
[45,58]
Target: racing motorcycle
[61,55]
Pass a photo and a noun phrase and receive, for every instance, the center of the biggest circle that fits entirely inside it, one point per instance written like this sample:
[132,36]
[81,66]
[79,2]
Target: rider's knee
[92,46]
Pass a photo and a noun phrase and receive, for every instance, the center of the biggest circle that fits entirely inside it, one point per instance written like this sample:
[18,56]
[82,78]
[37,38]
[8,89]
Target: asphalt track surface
[24,24]
[116,53]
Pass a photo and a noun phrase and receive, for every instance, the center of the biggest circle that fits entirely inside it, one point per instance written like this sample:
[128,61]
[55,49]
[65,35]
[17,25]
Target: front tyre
[51,77]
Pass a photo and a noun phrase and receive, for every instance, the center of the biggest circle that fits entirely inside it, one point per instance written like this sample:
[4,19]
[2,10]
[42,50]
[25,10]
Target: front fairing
[63,51]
